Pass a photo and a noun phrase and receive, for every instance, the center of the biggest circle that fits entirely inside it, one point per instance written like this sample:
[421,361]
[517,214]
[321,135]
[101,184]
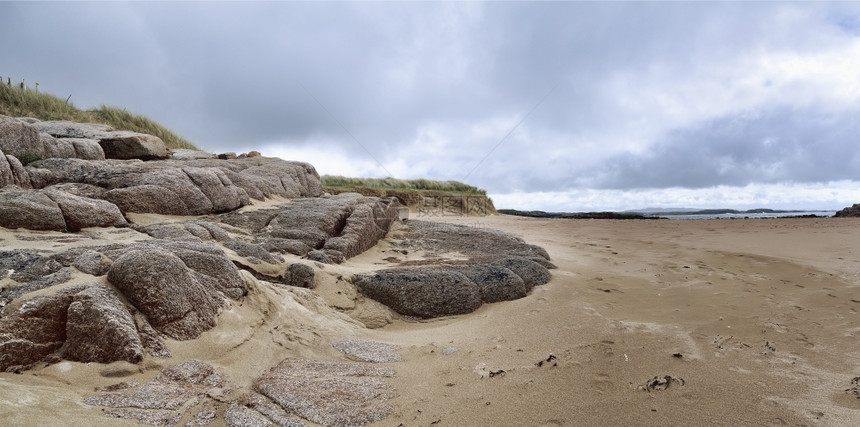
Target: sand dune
[649,322]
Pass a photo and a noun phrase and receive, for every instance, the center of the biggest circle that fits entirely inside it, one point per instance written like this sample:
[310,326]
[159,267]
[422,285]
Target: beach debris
[677,355]
[855,389]
[660,382]
[547,360]
[449,350]
[499,373]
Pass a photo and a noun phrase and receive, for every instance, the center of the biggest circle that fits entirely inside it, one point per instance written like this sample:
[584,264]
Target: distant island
[655,213]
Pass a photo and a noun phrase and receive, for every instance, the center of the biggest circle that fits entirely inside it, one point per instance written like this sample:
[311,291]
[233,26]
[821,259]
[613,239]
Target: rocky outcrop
[500,267]
[344,225]
[325,393]
[172,187]
[851,211]
[55,210]
[422,292]
[307,389]
[114,144]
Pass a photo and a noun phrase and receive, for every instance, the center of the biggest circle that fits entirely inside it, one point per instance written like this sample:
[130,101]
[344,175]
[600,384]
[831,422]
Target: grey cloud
[777,145]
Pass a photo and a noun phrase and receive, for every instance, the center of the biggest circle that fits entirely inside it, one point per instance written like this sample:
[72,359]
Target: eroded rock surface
[497,267]
[326,393]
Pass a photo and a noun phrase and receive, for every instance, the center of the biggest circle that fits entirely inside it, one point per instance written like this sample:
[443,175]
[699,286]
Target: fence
[22,85]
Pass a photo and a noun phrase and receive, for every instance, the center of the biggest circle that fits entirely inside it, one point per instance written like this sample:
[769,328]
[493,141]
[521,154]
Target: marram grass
[450,187]
[25,102]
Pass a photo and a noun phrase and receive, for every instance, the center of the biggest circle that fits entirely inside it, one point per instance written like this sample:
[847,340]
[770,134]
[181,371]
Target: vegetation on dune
[341,184]
[17,101]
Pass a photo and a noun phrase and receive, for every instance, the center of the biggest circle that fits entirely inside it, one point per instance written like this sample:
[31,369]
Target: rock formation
[135,248]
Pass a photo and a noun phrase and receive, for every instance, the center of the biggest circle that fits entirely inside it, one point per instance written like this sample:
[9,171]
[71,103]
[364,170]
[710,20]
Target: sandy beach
[664,322]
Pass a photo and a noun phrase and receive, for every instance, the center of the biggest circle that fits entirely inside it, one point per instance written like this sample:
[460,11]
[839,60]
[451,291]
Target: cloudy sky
[552,106]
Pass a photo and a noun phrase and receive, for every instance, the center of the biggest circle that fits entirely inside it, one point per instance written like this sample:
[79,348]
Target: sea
[741,215]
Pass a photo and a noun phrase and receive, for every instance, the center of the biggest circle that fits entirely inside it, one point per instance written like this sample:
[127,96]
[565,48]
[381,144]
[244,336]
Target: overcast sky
[552,106]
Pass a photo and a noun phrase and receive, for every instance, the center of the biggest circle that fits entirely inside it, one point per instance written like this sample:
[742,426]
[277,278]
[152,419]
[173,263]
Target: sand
[751,322]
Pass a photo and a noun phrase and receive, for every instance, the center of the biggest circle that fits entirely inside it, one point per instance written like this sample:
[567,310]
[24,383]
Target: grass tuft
[24,102]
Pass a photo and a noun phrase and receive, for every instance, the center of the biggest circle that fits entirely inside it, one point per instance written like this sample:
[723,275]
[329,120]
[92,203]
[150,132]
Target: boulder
[422,292]
[82,212]
[133,145]
[100,329]
[29,209]
[160,286]
[87,149]
[35,330]
[20,139]
[301,276]
[39,210]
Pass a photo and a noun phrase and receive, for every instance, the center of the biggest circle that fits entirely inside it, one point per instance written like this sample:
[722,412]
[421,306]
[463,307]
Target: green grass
[18,102]
[449,187]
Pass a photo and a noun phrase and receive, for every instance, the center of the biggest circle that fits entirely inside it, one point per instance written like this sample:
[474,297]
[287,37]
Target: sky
[555,106]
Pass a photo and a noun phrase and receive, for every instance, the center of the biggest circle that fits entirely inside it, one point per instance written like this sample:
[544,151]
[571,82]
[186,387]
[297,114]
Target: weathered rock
[24,266]
[851,211]
[210,266]
[20,139]
[125,145]
[301,276]
[251,250]
[329,393]
[185,154]
[479,244]
[368,222]
[100,329]
[87,149]
[161,287]
[20,176]
[176,187]
[35,330]
[29,209]
[285,246]
[369,351]
[92,262]
[82,212]
[422,292]
[66,129]
[532,273]
[496,283]
[62,275]
[161,401]
[241,416]
[38,209]
[271,410]
[326,256]
[57,148]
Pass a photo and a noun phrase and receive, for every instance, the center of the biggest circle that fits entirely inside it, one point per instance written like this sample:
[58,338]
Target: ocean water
[748,215]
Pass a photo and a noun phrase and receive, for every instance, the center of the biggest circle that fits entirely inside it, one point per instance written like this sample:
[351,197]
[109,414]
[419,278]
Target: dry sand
[756,322]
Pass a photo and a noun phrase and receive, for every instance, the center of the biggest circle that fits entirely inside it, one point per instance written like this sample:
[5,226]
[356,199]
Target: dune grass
[16,101]
[342,183]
